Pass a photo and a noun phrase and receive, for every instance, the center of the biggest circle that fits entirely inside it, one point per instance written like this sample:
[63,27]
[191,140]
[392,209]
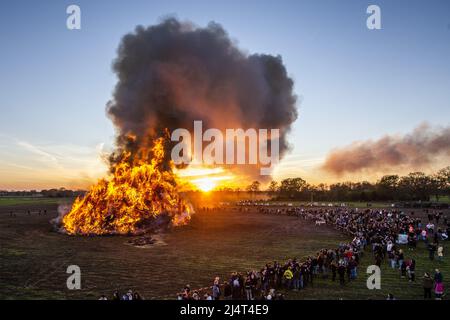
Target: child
[439,290]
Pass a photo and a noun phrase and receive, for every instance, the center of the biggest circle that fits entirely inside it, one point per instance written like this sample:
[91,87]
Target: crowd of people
[382,231]
[29,213]
[117,296]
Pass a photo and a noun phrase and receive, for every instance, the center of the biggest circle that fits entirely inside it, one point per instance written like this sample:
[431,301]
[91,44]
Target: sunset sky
[352,83]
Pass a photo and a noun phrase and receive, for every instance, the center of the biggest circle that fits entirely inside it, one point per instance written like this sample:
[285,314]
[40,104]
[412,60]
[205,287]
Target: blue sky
[353,83]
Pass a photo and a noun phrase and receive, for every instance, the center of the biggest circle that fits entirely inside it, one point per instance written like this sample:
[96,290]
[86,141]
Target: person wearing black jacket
[341,272]
[333,270]
[412,271]
[432,249]
[427,286]
[227,292]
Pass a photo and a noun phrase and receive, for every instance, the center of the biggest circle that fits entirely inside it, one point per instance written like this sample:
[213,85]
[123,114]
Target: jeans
[248,294]
[353,273]
[393,264]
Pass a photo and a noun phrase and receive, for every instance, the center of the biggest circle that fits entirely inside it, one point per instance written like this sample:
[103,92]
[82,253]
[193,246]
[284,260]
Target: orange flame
[133,200]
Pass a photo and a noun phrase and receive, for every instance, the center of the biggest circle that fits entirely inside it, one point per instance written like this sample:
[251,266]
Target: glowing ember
[138,197]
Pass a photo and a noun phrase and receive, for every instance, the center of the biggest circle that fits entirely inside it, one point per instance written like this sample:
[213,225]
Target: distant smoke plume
[415,150]
[173,73]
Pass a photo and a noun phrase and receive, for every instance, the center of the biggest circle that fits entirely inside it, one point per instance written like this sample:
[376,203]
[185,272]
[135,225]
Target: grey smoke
[414,151]
[173,73]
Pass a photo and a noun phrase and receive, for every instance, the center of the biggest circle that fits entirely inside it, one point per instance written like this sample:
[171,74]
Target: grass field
[391,282]
[34,258]
[30,201]
[445,199]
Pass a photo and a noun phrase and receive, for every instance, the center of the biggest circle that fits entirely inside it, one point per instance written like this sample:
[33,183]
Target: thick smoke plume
[415,150]
[173,73]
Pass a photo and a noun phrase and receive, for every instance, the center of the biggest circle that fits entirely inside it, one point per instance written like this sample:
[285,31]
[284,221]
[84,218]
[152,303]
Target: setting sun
[205,185]
[203,179]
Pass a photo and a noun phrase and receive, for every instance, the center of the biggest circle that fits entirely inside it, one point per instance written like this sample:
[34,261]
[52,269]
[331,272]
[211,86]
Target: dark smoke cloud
[173,73]
[415,150]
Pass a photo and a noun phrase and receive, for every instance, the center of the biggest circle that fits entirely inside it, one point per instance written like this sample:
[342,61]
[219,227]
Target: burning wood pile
[170,75]
[139,197]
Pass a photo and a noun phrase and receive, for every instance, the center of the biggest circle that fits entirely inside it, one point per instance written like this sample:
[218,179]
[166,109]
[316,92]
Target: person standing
[412,271]
[403,269]
[427,285]
[424,235]
[333,270]
[440,253]
[116,296]
[438,276]
[288,275]
[236,287]
[439,290]
[137,296]
[216,289]
[400,258]
[431,250]
[248,288]
[296,278]
[341,272]
[227,291]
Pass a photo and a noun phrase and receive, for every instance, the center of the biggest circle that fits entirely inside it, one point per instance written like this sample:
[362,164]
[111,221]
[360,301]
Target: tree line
[48,193]
[416,186]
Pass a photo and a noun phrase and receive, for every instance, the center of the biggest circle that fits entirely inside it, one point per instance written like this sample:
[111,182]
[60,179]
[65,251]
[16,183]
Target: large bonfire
[139,195]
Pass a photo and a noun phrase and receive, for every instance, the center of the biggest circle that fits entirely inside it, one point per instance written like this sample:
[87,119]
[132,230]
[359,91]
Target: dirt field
[34,257]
